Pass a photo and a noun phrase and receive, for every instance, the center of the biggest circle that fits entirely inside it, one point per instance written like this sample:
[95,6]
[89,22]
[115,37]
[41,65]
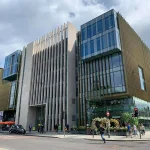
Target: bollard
[64,132]
[93,133]
[108,132]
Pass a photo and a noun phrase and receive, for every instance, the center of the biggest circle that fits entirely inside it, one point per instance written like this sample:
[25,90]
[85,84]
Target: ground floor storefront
[115,107]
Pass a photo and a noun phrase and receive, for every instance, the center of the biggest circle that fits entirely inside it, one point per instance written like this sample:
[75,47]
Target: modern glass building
[11,75]
[104,75]
[11,66]
[100,36]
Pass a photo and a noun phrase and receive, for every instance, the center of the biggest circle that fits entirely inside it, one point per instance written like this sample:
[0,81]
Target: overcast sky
[23,21]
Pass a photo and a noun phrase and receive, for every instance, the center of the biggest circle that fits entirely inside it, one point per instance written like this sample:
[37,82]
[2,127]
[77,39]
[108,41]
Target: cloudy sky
[23,21]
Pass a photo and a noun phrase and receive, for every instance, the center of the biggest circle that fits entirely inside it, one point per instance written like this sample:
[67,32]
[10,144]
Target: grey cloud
[71,14]
[24,21]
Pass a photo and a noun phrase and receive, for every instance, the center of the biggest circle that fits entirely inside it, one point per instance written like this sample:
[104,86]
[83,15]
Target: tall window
[112,23]
[98,44]
[99,26]
[83,34]
[86,49]
[82,50]
[93,29]
[142,81]
[92,46]
[111,38]
[88,31]
[104,41]
[106,23]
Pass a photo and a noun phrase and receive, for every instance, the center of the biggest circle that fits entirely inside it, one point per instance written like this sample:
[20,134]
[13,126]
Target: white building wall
[24,88]
[71,75]
[49,78]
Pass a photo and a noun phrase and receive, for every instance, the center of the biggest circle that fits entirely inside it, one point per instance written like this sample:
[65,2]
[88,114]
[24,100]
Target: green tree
[127,117]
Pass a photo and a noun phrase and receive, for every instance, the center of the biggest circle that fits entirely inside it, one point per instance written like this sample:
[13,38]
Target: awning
[7,122]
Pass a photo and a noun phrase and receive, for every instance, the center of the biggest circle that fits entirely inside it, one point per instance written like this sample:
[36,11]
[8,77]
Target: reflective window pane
[92,46]
[83,34]
[88,31]
[99,26]
[117,78]
[86,49]
[115,60]
[112,23]
[104,41]
[106,23]
[94,29]
[98,44]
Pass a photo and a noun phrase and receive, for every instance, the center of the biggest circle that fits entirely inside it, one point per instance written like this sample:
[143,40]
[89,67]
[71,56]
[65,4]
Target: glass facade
[103,33]
[99,107]
[11,66]
[99,78]
[141,76]
[13,92]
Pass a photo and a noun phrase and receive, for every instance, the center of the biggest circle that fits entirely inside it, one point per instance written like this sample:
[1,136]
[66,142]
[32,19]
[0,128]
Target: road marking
[8,137]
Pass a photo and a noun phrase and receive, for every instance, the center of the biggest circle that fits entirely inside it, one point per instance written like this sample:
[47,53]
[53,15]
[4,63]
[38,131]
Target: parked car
[17,129]
[5,128]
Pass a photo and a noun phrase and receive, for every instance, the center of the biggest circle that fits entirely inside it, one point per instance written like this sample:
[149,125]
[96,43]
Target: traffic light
[136,112]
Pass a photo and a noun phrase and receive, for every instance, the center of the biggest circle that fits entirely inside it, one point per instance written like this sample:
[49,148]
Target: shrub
[114,123]
[82,128]
[127,117]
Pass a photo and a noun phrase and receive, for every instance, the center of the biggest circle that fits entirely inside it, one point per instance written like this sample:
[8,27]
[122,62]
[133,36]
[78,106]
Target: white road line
[12,137]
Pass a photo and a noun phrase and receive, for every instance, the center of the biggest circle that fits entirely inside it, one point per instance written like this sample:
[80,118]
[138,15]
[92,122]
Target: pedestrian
[42,128]
[56,126]
[30,128]
[135,130]
[39,126]
[129,130]
[67,126]
[142,129]
[59,128]
[101,129]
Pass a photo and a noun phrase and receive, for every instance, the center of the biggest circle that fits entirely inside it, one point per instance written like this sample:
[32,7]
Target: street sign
[107,113]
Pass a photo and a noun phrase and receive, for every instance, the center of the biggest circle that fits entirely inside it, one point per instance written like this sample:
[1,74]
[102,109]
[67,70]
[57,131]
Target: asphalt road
[17,142]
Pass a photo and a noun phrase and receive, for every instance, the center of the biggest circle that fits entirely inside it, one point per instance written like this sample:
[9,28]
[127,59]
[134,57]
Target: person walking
[101,129]
[30,128]
[39,126]
[129,129]
[135,130]
[142,129]
[59,128]
[42,128]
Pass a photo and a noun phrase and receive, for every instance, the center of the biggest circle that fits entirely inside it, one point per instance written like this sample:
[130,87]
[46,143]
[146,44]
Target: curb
[119,140]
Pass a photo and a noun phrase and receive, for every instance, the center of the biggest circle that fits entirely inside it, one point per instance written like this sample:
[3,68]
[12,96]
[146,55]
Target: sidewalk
[145,137]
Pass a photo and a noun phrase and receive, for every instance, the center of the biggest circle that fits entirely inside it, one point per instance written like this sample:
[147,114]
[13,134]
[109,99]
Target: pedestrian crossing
[12,137]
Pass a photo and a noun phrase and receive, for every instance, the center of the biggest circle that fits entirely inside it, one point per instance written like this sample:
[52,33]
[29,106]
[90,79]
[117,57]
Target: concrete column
[57,86]
[64,76]
[54,83]
[60,98]
[51,87]
[35,73]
